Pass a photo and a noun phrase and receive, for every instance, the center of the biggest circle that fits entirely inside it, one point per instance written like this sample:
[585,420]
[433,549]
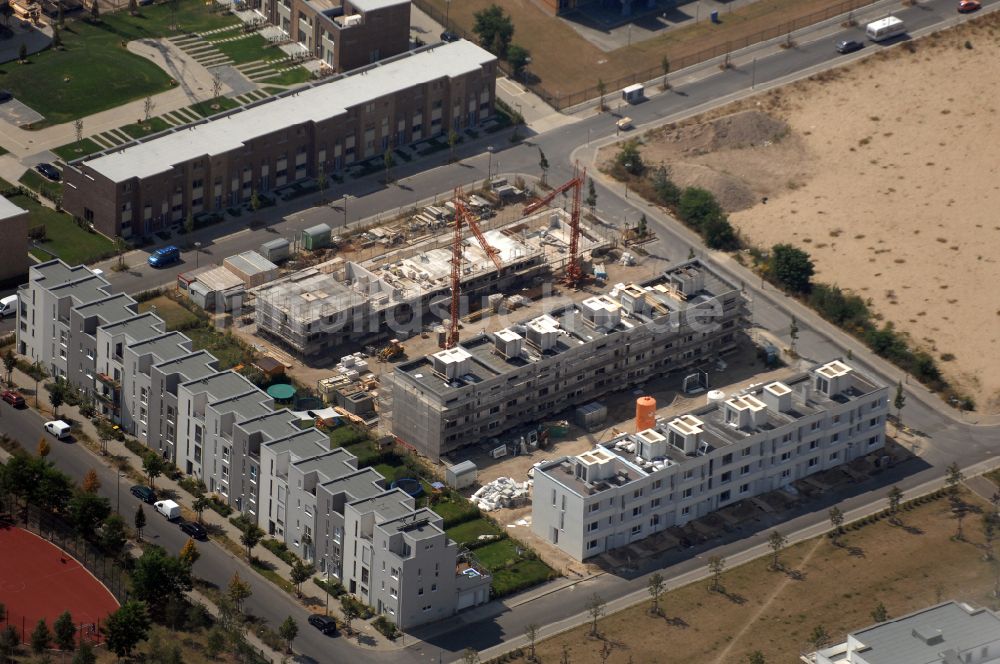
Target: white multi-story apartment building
[758,440]
[217,426]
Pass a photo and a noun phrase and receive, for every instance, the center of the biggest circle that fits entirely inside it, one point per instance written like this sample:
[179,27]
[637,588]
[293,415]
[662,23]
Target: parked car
[447,36]
[49,171]
[164,256]
[58,428]
[14,398]
[849,46]
[5,95]
[325,624]
[169,509]
[195,530]
[8,306]
[966,6]
[144,493]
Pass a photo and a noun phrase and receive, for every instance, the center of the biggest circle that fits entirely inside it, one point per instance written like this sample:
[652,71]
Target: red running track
[40,580]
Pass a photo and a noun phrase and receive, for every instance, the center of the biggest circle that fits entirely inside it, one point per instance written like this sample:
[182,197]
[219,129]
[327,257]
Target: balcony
[108,380]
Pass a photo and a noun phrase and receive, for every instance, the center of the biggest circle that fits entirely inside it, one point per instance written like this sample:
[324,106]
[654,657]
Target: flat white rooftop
[372,5]
[8,209]
[319,103]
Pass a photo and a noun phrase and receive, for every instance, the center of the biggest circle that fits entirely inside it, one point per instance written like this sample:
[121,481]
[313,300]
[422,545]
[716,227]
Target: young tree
[147,108]
[189,554]
[22,53]
[531,633]
[953,478]
[288,630]
[452,140]
[56,397]
[879,613]
[86,511]
[201,504]
[300,573]
[56,38]
[133,7]
[655,586]
[43,448]
[126,627]
[792,267]
[665,66]
[716,565]
[65,631]
[90,482]
[139,522]
[41,637]
[85,654]
[254,200]
[216,85]
[756,657]
[543,165]
[322,181]
[349,609]
[895,497]
[153,465]
[595,607]
[776,541]
[388,160]
[251,537]
[238,591]
[836,522]
[591,200]
[819,637]
[215,642]
[642,227]
[518,58]
[793,333]
[189,222]
[602,88]
[95,11]
[10,640]
[495,29]
[898,404]
[9,362]
[113,535]
[470,656]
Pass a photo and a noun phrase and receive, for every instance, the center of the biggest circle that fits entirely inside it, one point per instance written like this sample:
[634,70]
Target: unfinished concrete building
[315,310]
[495,382]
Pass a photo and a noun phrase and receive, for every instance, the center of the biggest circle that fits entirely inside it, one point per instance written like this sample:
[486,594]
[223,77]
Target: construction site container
[252,268]
[645,413]
[316,237]
[592,415]
[461,475]
[275,250]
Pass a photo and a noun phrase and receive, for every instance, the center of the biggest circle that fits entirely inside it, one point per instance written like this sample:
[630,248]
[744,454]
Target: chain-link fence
[564,100]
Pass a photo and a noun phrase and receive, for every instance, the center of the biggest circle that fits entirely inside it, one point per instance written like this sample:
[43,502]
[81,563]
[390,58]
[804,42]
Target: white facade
[759,440]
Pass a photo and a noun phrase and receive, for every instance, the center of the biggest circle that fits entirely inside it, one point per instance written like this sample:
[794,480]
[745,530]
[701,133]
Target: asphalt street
[947,438]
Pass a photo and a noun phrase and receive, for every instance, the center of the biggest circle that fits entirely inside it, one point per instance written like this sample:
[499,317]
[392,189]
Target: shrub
[332,587]
[629,159]
[386,627]
[697,205]
[792,267]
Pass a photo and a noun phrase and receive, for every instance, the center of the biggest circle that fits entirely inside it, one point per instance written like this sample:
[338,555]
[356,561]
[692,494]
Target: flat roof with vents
[508,335]
[598,455]
[650,436]
[777,388]
[687,424]
[451,355]
[834,369]
[746,402]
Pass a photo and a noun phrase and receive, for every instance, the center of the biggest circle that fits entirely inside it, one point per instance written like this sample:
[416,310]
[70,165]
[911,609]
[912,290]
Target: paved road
[947,439]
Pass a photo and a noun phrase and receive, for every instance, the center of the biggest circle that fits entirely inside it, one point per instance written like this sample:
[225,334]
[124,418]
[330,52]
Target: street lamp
[489,169]
[326,586]
[628,170]
[118,490]
[197,253]
[345,210]
[447,11]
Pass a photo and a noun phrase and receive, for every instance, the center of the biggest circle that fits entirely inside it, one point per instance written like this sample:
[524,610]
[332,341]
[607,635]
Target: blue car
[164,256]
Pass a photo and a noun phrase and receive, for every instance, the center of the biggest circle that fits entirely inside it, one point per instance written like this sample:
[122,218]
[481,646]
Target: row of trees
[495,29]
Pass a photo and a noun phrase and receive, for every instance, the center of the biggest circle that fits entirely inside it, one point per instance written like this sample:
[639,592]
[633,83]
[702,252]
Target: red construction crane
[462,215]
[574,273]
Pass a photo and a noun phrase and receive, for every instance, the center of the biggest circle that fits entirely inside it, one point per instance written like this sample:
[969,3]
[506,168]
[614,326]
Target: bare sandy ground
[885,171]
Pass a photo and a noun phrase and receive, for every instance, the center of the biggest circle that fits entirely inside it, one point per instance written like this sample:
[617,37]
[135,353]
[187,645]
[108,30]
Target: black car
[195,530]
[325,624]
[49,171]
[144,493]
[5,95]
[449,36]
[849,46]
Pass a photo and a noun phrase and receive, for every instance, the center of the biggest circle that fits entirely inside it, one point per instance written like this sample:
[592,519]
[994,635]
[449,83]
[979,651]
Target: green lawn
[64,239]
[498,554]
[213,106]
[94,71]
[250,49]
[454,509]
[142,129]
[294,76]
[225,347]
[470,531]
[75,150]
[34,180]
[520,576]
[172,313]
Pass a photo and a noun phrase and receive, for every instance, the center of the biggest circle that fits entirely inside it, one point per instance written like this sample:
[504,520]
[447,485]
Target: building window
[724,496]
[686,493]
[655,502]
[685,511]
[744,488]
[636,529]
[834,455]
[745,470]
[593,507]
[657,484]
[747,451]
[813,462]
[592,526]
[592,544]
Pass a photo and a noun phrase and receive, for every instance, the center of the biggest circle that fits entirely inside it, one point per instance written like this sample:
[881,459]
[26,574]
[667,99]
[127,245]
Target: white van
[58,428]
[885,28]
[8,306]
[169,509]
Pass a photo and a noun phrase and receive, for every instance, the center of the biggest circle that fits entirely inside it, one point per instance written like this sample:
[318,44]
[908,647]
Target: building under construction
[399,294]
[492,383]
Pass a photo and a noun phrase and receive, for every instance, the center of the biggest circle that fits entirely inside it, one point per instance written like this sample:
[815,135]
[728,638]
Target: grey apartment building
[492,383]
[343,35]
[219,427]
[218,163]
[758,440]
[14,250]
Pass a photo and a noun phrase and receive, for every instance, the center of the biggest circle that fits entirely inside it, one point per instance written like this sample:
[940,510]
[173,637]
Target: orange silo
[645,413]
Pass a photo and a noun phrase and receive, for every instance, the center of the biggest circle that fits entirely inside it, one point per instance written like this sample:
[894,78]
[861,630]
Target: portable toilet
[461,475]
[316,237]
[633,94]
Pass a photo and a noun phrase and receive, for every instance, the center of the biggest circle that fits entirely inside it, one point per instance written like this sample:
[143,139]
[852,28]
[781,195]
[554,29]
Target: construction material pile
[500,493]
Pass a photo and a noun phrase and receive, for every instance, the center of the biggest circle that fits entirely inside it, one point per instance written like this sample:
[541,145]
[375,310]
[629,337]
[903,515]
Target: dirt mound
[745,129]
[733,193]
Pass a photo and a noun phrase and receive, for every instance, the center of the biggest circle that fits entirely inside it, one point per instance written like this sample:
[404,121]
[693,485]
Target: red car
[966,6]
[13,398]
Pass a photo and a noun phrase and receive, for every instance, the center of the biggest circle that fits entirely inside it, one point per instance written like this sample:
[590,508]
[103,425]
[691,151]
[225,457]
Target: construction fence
[565,100]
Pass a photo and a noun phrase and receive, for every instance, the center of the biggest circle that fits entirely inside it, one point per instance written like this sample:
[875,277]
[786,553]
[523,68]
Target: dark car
[6,95]
[49,171]
[13,398]
[325,624]
[195,530]
[449,36]
[144,493]
[164,256]
[849,46]
[967,6]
